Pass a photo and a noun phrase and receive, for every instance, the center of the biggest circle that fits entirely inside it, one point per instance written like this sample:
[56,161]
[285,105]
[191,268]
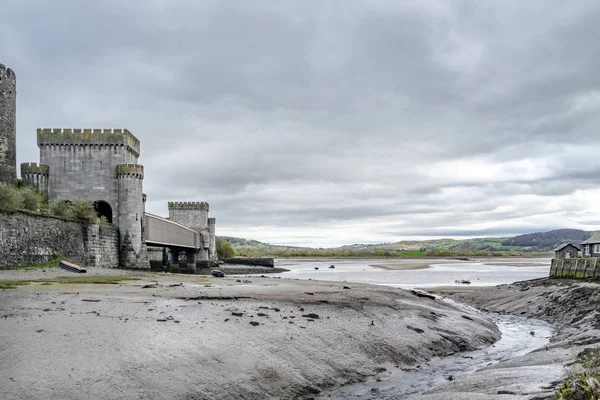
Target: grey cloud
[328,122]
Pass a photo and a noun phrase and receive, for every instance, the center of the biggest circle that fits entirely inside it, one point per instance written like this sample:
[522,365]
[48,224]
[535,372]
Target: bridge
[161,232]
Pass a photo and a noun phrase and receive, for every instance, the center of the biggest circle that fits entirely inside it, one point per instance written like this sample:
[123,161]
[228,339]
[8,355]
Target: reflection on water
[446,274]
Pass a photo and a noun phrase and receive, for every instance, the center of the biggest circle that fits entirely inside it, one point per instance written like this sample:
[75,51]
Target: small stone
[254,323]
[161,320]
[237,314]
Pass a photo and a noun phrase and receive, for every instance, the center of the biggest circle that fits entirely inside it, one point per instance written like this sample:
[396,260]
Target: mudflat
[422,263]
[572,306]
[170,336]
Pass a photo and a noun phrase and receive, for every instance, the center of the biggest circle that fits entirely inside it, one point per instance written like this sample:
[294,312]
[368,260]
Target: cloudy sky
[322,123]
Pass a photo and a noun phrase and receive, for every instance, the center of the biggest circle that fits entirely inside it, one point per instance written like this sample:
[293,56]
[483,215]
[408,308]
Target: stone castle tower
[194,215]
[100,166]
[8,125]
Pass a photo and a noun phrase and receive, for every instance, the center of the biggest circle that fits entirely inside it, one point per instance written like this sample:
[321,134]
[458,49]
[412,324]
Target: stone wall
[30,239]
[102,246]
[578,268]
[262,261]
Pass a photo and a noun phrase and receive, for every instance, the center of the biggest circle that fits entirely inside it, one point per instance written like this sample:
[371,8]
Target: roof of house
[562,246]
[593,240]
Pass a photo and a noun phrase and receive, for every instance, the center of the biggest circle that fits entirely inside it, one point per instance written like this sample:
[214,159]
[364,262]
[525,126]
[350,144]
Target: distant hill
[529,243]
[548,240]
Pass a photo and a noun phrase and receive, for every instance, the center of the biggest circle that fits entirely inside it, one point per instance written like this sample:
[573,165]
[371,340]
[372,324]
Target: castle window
[100,165]
[136,216]
[126,192]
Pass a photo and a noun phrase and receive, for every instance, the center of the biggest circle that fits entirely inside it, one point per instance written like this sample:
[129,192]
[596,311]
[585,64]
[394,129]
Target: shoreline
[184,336]
[237,335]
[399,264]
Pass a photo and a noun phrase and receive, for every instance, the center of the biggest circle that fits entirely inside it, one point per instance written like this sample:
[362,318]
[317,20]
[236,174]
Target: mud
[188,337]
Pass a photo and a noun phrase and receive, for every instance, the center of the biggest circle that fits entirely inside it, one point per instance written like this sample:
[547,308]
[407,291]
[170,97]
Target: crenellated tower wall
[212,248]
[8,125]
[133,251]
[83,162]
[35,175]
[193,214]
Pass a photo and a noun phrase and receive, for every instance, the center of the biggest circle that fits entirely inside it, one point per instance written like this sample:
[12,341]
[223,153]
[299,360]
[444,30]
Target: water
[516,340]
[361,271]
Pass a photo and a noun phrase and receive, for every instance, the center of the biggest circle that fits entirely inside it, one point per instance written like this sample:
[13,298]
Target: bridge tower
[133,250]
[194,215]
[8,125]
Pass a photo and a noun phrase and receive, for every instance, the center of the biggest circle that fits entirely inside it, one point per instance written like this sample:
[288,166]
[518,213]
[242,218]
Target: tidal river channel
[517,338]
[439,274]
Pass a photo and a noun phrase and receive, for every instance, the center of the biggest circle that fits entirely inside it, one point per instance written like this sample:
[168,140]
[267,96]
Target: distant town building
[567,250]
[591,247]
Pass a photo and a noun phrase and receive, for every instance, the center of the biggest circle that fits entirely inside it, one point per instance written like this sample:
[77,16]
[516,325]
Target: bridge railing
[162,231]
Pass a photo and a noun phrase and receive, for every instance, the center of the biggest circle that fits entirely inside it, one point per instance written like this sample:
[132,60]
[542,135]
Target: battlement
[34,168]
[188,205]
[130,170]
[212,221]
[7,73]
[67,136]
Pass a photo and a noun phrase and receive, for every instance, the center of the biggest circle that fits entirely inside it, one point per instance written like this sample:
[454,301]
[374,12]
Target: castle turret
[133,249]
[35,175]
[8,125]
[212,246]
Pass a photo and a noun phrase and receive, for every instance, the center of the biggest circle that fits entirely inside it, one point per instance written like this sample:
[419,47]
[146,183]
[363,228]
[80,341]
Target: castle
[99,166]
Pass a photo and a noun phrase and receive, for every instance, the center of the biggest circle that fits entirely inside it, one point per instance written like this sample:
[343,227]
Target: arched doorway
[103,209]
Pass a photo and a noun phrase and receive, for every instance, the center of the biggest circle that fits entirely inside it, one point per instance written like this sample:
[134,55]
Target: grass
[83,280]
[584,382]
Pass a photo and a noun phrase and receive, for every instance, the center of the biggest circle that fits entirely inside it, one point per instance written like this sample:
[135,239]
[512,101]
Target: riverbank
[179,336]
[571,306]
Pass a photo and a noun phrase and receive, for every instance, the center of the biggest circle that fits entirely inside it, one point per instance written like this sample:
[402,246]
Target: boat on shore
[463,281]
[332,266]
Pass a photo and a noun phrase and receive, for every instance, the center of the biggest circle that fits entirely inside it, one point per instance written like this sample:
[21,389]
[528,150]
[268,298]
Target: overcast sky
[323,123]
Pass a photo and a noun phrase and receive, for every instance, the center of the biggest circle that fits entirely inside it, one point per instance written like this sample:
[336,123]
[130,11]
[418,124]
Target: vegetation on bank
[224,249]
[283,252]
[18,198]
[584,382]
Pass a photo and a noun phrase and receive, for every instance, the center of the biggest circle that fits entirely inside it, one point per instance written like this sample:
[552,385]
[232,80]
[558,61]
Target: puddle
[516,340]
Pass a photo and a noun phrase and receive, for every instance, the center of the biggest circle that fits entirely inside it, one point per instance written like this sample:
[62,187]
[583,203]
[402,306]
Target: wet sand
[422,263]
[190,337]
[571,306]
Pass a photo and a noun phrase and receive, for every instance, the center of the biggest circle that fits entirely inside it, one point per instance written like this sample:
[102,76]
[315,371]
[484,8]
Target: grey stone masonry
[194,215]
[35,175]
[102,246]
[99,166]
[83,162]
[8,125]
[212,246]
[27,238]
